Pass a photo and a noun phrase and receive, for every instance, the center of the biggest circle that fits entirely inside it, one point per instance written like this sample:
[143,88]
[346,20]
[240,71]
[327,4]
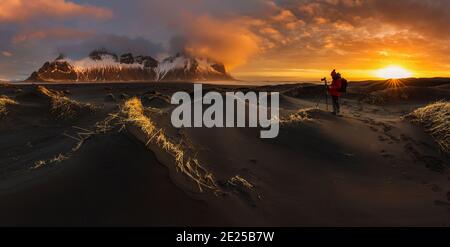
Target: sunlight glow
[393,72]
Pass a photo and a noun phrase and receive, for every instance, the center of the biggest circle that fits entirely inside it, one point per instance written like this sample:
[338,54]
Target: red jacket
[335,87]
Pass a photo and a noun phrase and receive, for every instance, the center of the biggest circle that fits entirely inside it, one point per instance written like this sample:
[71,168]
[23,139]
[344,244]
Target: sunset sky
[256,39]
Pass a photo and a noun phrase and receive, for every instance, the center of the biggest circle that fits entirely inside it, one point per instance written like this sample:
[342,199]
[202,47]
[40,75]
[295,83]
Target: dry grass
[240,181]
[244,188]
[81,136]
[5,101]
[62,107]
[301,115]
[133,112]
[436,120]
[57,159]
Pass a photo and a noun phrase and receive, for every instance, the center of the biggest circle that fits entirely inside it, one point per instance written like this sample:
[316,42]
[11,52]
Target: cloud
[114,43]
[360,35]
[221,30]
[230,41]
[251,35]
[23,10]
[429,17]
[6,53]
[50,34]
[285,15]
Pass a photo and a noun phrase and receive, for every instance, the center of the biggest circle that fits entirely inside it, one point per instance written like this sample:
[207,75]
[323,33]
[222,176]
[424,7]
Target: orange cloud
[23,10]
[305,39]
[230,42]
[58,33]
[7,54]
[285,15]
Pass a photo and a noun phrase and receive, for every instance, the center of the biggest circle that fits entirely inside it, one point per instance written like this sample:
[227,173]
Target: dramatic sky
[256,39]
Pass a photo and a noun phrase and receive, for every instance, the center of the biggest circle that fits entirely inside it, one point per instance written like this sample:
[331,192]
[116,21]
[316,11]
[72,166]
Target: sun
[393,72]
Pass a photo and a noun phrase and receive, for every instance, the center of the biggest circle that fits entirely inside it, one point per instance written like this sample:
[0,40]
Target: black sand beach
[369,167]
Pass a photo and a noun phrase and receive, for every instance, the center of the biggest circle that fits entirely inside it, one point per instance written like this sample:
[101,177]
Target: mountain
[102,65]
[185,67]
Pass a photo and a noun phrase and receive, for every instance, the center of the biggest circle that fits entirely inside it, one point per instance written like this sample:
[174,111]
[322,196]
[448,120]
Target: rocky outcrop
[57,70]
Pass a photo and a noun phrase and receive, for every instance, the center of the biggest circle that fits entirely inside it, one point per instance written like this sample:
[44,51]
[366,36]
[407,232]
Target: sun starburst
[393,72]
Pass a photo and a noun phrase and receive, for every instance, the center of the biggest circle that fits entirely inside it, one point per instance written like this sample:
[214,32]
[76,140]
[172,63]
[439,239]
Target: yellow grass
[301,115]
[5,101]
[238,180]
[436,120]
[62,107]
[57,159]
[134,113]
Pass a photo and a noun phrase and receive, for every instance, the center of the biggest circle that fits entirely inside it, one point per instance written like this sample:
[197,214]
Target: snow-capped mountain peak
[190,68]
[102,65]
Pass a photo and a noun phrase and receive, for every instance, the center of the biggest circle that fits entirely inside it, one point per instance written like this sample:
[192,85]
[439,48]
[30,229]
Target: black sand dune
[102,185]
[370,167]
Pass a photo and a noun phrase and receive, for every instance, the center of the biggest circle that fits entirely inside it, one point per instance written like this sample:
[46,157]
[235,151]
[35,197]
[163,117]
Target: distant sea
[238,83]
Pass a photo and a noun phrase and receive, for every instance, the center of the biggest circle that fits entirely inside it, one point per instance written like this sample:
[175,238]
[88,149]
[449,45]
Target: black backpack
[344,84]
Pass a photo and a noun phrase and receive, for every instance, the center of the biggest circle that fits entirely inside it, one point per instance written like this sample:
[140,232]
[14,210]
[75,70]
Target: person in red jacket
[334,91]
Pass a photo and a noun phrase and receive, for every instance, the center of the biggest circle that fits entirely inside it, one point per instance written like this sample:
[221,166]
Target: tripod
[324,80]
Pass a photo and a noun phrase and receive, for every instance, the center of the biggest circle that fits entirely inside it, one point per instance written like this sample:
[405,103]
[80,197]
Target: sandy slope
[366,168]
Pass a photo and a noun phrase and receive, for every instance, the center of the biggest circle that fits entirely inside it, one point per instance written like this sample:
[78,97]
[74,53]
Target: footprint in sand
[411,150]
[377,126]
[390,157]
[382,138]
[430,162]
[406,176]
[384,154]
[421,143]
[392,138]
[435,188]
[434,164]
[442,204]
[404,137]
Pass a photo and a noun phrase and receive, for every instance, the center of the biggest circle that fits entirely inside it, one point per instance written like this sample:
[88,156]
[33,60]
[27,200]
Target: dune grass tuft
[299,116]
[57,159]
[240,181]
[5,101]
[62,107]
[134,113]
[436,120]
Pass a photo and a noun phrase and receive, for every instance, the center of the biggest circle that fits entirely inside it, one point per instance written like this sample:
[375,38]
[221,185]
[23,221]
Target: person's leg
[335,104]
[338,105]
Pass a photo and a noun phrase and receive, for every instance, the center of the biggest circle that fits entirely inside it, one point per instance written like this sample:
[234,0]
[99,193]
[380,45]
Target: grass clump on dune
[240,181]
[133,112]
[5,101]
[299,116]
[62,107]
[57,159]
[436,120]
